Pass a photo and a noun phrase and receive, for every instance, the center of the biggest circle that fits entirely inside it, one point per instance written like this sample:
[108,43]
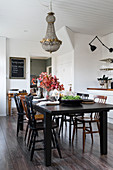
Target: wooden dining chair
[70,118]
[92,118]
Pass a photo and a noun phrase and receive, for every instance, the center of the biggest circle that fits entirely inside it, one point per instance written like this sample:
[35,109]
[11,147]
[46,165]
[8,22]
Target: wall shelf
[106,69]
[109,60]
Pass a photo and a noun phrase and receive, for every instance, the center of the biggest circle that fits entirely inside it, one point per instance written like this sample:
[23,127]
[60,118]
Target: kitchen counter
[99,89]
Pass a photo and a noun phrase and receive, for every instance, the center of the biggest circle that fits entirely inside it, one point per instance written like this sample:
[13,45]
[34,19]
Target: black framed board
[17,68]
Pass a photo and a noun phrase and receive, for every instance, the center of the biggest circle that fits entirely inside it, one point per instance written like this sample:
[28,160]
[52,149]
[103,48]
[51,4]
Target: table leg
[9,104]
[47,138]
[103,133]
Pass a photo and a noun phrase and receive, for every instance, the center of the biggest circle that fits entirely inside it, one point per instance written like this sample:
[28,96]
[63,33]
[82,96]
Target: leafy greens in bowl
[71,100]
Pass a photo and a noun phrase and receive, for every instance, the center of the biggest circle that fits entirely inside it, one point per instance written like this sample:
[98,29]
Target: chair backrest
[101,99]
[30,112]
[22,98]
[18,103]
[83,95]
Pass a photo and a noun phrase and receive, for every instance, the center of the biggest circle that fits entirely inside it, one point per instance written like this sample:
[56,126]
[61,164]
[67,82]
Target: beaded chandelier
[50,43]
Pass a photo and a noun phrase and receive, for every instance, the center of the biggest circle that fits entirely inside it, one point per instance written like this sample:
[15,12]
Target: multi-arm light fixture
[93,47]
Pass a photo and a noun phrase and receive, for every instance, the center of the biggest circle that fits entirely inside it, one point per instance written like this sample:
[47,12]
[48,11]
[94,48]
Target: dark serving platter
[88,101]
[67,102]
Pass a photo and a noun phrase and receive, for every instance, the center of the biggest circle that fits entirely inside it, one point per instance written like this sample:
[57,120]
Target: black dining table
[53,110]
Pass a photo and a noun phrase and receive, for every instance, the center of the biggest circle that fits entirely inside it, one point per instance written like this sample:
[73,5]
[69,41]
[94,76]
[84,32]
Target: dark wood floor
[14,154]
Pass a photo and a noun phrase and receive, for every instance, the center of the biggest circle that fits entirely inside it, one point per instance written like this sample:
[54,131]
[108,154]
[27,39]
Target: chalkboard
[17,68]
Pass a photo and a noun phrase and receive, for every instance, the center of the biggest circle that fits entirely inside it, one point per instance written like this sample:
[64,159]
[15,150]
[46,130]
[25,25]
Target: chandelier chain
[51,5]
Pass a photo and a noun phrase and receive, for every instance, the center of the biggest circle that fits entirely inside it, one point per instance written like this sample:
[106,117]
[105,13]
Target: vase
[48,95]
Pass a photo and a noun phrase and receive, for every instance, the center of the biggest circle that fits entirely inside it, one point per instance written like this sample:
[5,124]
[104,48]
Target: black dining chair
[38,117]
[35,127]
[21,114]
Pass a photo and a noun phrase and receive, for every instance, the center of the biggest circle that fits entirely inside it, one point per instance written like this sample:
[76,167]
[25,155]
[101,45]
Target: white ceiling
[25,19]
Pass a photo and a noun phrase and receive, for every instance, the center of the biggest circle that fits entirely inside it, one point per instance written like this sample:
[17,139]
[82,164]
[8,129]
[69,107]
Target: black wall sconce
[93,47]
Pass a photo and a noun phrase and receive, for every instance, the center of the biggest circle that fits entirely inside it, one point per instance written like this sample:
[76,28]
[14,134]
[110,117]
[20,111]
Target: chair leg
[70,128]
[91,131]
[18,126]
[57,121]
[31,140]
[98,125]
[65,122]
[57,145]
[73,132]
[33,147]
[83,136]
[29,137]
[52,138]
[61,126]
[26,133]
[76,125]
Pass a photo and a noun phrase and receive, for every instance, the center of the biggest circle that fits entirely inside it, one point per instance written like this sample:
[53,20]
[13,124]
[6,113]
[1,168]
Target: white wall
[18,49]
[25,49]
[62,61]
[79,66]
[62,68]
[86,63]
[63,64]
[108,41]
[2,76]
[64,36]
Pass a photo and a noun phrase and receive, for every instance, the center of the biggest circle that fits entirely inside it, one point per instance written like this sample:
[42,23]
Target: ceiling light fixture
[50,43]
[93,47]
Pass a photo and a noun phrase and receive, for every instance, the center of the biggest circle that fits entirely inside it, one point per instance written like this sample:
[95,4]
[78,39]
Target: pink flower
[50,83]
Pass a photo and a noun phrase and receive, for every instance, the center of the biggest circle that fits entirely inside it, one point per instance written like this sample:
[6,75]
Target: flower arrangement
[49,82]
